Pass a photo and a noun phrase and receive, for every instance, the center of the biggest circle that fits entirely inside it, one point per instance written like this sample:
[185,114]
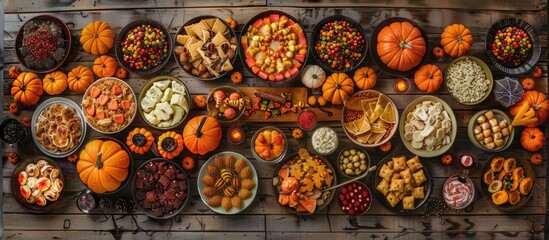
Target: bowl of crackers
[428,126]
[491,130]
[206,47]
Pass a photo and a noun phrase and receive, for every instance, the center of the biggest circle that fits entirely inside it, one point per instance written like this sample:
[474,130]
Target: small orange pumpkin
[236,77]
[538,102]
[79,79]
[438,52]
[26,121]
[232,22]
[456,40]
[14,108]
[322,101]
[202,134]
[73,158]
[14,71]
[27,89]
[104,66]
[537,72]
[528,84]
[170,144]
[55,83]
[139,140]
[532,139]
[311,100]
[200,101]
[428,78]
[536,158]
[386,147]
[121,73]
[13,158]
[297,133]
[337,88]
[103,165]
[365,78]
[446,159]
[188,163]
[97,38]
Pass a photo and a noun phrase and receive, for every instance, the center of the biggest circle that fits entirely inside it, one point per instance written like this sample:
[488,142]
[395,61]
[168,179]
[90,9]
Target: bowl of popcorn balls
[324,140]
[491,130]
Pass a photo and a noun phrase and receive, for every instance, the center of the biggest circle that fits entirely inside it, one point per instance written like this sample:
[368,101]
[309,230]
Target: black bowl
[66,35]
[14,184]
[122,35]
[243,51]
[196,20]
[533,56]
[377,59]
[316,36]
[148,212]
[130,167]
[528,172]
[399,208]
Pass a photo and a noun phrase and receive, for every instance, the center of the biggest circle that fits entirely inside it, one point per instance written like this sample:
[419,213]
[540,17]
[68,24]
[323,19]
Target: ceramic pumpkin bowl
[105,165]
[385,46]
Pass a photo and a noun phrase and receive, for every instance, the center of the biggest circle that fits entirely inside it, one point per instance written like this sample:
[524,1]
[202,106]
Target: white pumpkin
[313,76]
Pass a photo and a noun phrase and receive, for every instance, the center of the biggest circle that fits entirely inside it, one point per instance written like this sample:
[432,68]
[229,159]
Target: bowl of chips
[369,118]
[402,183]
[206,47]
[428,127]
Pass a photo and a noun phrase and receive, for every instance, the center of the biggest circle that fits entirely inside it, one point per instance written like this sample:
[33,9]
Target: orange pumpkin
[103,165]
[532,139]
[456,40]
[13,158]
[14,71]
[55,83]
[73,158]
[104,66]
[538,102]
[269,144]
[321,101]
[537,72]
[528,84]
[232,22]
[202,134]
[446,159]
[536,158]
[27,89]
[14,108]
[121,73]
[401,46]
[170,144]
[188,163]
[337,88]
[26,121]
[386,147]
[80,78]
[428,78]
[139,140]
[297,133]
[236,77]
[365,78]
[200,101]
[438,52]
[97,38]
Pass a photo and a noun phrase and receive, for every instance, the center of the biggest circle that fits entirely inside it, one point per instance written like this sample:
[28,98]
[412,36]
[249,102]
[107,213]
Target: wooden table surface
[264,219]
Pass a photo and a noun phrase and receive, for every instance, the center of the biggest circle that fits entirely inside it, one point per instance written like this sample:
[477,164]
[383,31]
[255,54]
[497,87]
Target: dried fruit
[13,157]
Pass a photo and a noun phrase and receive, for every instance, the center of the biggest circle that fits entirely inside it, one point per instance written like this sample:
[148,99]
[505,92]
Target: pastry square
[400,163]
[181,39]
[189,30]
[408,187]
[408,203]
[419,177]
[406,174]
[392,199]
[210,22]
[418,192]
[395,176]
[400,195]
[383,187]
[198,27]
[391,164]
[218,39]
[414,164]
[219,26]
[397,185]
[385,172]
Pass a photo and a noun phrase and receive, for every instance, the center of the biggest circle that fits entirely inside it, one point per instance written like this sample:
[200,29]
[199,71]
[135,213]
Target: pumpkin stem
[22,87]
[431,75]
[315,76]
[404,44]
[459,39]
[98,163]
[199,129]
[95,35]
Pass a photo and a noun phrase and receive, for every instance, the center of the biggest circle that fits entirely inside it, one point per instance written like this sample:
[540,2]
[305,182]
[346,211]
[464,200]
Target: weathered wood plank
[406,235]
[130,234]
[19,6]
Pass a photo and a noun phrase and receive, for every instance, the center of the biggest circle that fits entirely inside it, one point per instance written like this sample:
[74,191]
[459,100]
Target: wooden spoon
[371,169]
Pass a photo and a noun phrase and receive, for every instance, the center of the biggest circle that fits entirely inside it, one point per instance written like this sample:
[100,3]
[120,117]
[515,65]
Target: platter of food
[109,105]
[206,47]
[164,102]
[299,182]
[428,126]
[227,183]
[369,118]
[402,183]
[58,127]
[507,181]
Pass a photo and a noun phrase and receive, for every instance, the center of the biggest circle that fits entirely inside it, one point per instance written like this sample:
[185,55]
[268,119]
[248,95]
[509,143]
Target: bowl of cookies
[428,126]
[491,130]
[402,183]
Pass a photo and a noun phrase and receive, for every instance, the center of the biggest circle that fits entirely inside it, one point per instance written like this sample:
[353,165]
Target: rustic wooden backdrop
[265,219]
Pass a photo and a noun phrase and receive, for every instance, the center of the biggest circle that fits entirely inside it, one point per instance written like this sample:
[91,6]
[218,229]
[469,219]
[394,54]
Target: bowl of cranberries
[43,43]
[355,198]
[512,46]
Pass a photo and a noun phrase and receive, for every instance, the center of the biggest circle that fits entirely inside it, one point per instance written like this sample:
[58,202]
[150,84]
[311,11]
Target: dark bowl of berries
[43,43]
[143,46]
[513,46]
[355,198]
[339,44]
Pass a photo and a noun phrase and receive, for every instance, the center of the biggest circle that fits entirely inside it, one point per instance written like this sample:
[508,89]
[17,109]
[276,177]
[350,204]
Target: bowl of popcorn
[469,80]
[324,140]
[428,126]
[491,130]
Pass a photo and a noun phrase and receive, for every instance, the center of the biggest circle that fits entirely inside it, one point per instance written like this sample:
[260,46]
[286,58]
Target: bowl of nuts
[491,130]
[353,161]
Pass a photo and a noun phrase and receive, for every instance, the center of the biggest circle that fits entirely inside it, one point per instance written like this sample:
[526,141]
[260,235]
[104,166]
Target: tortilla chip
[210,22]
[193,49]
[190,41]
[182,39]
[189,30]
[197,28]
[219,26]
[219,39]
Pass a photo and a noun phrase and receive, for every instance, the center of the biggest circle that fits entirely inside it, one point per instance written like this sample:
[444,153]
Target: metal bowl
[340,156]
[67,103]
[487,72]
